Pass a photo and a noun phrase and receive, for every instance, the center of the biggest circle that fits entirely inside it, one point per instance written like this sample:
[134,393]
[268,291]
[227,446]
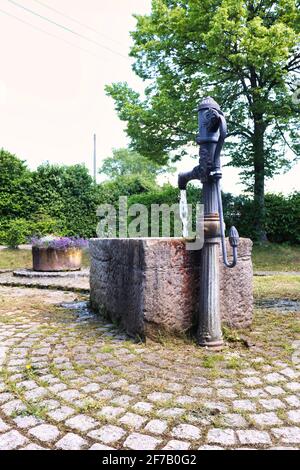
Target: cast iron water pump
[211,138]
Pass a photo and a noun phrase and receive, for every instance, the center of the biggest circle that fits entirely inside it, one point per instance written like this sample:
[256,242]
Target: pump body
[211,138]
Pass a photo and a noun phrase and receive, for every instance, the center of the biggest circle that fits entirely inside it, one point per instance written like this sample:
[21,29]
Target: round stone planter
[53,260]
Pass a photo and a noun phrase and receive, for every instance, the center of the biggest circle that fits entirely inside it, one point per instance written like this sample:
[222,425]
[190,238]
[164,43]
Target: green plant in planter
[59,243]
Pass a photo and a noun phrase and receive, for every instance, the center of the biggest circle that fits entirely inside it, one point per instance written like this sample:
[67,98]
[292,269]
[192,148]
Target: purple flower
[59,243]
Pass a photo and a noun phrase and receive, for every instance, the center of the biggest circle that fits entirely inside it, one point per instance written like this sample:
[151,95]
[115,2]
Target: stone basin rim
[30,273]
[149,239]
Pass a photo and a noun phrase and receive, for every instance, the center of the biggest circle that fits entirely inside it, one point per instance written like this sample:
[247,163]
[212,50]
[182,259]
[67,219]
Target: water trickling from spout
[183,206]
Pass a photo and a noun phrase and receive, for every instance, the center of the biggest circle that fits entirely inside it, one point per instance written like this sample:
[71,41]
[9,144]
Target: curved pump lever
[233,233]
[223,134]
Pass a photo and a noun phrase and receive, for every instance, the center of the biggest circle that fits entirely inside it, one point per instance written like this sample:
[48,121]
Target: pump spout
[184,178]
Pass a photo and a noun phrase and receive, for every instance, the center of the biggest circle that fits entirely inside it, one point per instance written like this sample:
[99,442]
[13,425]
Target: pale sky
[52,97]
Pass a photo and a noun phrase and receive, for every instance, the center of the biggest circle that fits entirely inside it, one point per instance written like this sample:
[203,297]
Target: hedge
[64,199]
[282,212]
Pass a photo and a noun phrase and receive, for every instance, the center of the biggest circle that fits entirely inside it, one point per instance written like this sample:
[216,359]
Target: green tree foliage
[282,212]
[283,218]
[66,194]
[246,54]
[17,232]
[125,162]
[57,198]
[110,191]
[63,200]
[15,184]
[53,199]
[168,195]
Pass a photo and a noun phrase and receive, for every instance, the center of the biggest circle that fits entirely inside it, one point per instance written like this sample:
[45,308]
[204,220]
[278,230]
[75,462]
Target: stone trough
[151,284]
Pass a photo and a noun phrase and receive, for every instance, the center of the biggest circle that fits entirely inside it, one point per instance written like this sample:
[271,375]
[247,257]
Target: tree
[126,162]
[246,54]
[109,192]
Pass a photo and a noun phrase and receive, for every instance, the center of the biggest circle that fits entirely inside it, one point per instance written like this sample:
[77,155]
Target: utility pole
[95,158]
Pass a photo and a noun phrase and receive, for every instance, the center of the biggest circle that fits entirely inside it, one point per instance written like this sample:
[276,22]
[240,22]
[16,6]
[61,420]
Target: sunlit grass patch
[277,287]
[276,257]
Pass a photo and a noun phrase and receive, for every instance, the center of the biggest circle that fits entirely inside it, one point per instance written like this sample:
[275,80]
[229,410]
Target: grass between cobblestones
[80,376]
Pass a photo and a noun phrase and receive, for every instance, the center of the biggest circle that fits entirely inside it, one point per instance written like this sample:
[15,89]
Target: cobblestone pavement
[71,381]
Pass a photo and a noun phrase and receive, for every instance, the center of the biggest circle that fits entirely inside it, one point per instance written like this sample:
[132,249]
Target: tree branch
[285,140]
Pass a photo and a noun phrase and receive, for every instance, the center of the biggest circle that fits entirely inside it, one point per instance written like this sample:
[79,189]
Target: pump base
[211,345]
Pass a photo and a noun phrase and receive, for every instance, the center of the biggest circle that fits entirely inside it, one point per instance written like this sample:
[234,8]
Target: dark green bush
[282,212]
[16,193]
[110,191]
[283,218]
[63,200]
[17,233]
[166,195]
[43,224]
[66,194]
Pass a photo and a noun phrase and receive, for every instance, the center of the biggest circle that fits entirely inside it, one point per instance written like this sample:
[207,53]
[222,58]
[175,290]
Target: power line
[78,22]
[66,28]
[49,34]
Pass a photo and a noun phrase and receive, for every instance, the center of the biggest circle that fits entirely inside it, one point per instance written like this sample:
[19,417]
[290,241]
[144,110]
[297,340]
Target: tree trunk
[259,179]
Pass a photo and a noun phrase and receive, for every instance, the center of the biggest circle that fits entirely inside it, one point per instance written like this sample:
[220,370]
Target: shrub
[110,191]
[282,212]
[17,233]
[63,200]
[283,218]
[166,195]
[42,224]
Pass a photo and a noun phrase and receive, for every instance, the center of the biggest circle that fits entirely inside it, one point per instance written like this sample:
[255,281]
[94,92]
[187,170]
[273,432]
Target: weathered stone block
[153,283]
